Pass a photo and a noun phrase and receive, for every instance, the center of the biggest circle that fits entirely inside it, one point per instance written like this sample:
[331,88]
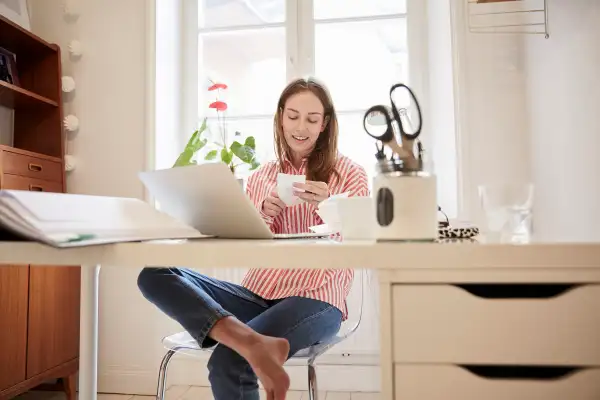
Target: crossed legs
[255,336]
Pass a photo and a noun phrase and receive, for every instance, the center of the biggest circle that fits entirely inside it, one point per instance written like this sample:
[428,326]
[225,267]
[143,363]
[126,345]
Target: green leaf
[250,142]
[226,156]
[211,155]
[185,158]
[194,144]
[203,126]
[235,147]
[255,164]
[243,152]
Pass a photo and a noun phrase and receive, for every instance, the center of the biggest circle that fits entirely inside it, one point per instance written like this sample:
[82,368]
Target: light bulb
[70,162]
[75,48]
[71,123]
[70,8]
[68,84]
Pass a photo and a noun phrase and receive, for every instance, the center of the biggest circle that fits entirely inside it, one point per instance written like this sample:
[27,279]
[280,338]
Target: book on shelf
[73,220]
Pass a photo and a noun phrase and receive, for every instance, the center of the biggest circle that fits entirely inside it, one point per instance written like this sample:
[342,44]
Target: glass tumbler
[508,211]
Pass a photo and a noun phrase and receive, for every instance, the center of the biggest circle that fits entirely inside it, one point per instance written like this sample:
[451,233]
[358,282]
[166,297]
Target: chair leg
[312,383]
[162,375]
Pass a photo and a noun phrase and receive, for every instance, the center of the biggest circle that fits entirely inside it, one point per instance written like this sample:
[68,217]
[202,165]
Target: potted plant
[234,154]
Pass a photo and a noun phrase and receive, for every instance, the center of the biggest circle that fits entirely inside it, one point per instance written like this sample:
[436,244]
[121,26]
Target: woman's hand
[273,205]
[314,192]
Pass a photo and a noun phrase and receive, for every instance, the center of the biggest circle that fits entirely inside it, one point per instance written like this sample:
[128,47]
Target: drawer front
[443,382]
[33,167]
[498,324]
[14,182]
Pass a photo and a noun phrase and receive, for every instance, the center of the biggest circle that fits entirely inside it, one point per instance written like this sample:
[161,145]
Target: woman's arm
[257,189]
[356,182]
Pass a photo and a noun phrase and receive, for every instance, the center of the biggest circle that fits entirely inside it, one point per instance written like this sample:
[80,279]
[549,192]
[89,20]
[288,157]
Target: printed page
[71,218]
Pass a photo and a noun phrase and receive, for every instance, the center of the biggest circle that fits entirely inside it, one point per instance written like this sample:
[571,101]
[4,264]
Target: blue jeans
[197,302]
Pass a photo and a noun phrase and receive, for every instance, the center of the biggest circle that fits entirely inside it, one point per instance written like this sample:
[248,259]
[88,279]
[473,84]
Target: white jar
[405,204]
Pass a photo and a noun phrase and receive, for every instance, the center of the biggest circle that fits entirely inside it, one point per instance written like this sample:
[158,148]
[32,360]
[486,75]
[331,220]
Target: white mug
[357,218]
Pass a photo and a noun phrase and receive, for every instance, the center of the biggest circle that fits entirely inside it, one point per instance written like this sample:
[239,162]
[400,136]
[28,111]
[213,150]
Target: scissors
[408,131]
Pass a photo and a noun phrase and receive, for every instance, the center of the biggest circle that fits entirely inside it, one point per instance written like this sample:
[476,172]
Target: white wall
[493,139]
[168,80]
[563,81]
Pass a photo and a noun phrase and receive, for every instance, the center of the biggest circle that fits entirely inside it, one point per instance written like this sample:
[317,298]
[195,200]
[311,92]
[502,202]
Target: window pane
[328,9]
[359,61]
[251,63]
[260,128]
[353,142]
[227,13]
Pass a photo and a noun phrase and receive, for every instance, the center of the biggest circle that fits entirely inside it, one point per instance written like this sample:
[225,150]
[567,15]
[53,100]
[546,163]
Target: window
[359,48]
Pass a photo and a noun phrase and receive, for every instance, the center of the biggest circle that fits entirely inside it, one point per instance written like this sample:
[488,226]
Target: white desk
[398,264]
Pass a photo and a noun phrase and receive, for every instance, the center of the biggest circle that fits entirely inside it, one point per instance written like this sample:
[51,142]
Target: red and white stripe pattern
[330,285]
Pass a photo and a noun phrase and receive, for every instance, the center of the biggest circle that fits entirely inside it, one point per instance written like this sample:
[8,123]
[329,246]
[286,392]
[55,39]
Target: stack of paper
[69,220]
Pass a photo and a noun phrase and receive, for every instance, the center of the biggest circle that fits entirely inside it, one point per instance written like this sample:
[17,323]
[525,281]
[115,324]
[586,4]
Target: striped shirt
[329,285]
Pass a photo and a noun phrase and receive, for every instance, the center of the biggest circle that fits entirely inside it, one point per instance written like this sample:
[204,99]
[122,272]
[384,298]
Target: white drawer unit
[517,339]
[549,324]
[449,382]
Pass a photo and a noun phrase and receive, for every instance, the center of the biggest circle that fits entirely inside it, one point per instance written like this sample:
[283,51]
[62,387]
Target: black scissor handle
[410,136]
[386,136]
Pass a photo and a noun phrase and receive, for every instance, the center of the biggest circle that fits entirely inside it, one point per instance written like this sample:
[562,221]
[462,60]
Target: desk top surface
[217,253]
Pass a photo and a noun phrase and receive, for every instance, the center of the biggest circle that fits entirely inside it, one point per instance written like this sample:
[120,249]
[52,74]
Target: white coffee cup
[357,218]
[285,188]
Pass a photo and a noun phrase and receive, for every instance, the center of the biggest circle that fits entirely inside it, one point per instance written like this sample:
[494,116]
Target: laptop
[210,199]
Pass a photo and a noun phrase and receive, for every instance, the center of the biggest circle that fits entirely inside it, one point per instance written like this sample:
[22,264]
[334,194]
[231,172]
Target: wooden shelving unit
[39,305]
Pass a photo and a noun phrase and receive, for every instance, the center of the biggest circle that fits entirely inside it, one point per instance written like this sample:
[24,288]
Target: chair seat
[183,342]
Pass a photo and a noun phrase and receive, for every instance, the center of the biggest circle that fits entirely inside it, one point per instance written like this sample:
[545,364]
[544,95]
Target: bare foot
[266,358]
[265,354]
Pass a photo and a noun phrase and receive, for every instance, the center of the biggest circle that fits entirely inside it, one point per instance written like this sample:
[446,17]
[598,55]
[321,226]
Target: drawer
[443,382]
[30,166]
[15,182]
[498,324]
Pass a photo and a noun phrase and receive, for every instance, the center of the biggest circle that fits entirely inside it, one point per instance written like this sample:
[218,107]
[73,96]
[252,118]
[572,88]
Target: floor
[201,393]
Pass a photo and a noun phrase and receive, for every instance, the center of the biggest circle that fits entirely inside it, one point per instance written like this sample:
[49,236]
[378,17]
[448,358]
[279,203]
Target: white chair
[183,342]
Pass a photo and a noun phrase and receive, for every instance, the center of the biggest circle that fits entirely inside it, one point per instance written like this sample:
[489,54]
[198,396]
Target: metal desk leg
[88,332]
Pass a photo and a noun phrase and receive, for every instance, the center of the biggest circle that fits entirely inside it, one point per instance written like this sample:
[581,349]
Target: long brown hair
[320,165]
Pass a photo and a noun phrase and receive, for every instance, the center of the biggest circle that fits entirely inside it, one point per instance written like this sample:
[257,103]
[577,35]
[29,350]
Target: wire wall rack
[508,16]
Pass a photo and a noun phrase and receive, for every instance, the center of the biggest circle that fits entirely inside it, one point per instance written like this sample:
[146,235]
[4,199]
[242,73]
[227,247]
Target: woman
[273,313]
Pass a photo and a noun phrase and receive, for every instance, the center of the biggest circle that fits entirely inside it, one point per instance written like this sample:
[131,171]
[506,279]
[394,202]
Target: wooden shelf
[15,97]
[22,42]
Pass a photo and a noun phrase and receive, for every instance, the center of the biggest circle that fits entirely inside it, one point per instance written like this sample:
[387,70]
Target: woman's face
[302,122]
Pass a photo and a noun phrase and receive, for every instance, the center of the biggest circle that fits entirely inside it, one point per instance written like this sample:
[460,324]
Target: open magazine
[73,220]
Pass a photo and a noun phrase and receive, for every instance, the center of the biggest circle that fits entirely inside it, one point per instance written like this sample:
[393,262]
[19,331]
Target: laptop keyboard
[308,235]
